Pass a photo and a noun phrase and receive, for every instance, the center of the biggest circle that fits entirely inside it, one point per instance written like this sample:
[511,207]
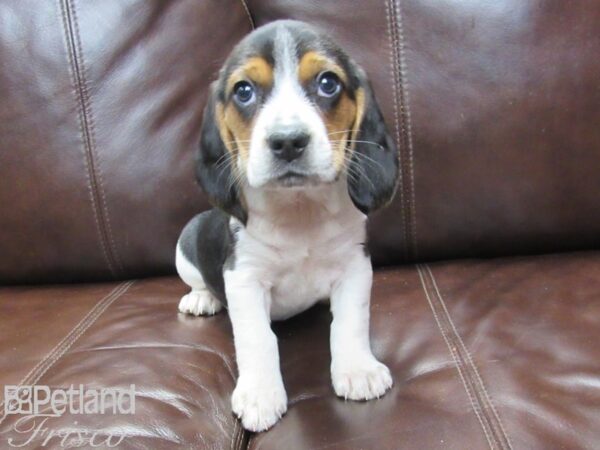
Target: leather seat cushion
[496,354]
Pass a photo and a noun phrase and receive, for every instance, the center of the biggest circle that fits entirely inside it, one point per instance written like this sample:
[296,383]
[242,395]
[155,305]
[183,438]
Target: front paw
[259,404]
[200,303]
[360,378]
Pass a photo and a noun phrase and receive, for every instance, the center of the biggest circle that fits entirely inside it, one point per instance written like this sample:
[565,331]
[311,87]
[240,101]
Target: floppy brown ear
[374,162]
[214,163]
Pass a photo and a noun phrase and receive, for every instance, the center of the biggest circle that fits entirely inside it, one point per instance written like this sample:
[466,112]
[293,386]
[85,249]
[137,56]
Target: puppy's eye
[329,84]
[244,92]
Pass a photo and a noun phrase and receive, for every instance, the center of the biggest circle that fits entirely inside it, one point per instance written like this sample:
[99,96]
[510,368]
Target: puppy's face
[291,109]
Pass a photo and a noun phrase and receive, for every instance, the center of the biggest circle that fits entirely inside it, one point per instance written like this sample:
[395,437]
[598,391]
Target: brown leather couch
[495,106]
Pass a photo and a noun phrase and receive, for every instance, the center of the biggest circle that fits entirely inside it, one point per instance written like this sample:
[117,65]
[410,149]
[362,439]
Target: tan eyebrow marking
[255,69]
[312,63]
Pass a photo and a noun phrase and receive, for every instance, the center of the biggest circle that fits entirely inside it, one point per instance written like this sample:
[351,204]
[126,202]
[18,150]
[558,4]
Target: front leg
[355,372]
[259,398]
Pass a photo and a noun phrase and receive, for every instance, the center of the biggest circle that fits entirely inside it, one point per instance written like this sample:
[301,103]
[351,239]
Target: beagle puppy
[294,154]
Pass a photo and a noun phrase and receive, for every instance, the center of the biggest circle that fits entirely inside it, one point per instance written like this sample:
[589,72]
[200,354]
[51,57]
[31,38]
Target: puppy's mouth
[294,179]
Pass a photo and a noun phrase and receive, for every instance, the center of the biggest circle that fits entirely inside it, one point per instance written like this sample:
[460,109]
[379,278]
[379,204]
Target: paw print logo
[18,400]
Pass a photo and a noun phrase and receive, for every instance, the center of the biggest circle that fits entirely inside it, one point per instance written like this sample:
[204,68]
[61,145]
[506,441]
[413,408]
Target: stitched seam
[500,431]
[240,441]
[247,9]
[241,437]
[234,436]
[92,132]
[238,435]
[392,42]
[87,129]
[403,142]
[67,340]
[408,129]
[68,44]
[457,360]
[60,349]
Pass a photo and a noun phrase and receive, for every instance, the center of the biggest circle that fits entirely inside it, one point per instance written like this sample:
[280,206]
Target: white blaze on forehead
[285,55]
[288,98]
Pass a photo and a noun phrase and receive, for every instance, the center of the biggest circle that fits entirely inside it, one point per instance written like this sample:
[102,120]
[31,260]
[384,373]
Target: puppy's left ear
[373,167]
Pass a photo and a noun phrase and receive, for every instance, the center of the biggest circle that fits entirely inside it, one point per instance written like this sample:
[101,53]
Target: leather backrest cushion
[100,110]
[495,108]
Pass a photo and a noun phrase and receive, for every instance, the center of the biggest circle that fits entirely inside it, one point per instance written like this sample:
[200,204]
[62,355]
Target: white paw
[259,405]
[199,303]
[360,379]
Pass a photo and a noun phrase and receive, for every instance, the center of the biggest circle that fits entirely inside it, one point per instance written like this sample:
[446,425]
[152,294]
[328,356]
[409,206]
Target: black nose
[288,144]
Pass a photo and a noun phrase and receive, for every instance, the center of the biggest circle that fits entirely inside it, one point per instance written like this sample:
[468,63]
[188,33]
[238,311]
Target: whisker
[366,142]
[339,132]
[223,159]
[236,141]
[234,178]
[358,142]
[367,159]
[350,168]
[351,176]
[360,175]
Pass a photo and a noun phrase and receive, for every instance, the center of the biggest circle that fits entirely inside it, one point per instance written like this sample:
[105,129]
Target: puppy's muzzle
[288,143]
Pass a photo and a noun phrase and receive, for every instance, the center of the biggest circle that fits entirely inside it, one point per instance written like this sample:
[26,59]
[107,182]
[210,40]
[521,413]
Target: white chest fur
[296,244]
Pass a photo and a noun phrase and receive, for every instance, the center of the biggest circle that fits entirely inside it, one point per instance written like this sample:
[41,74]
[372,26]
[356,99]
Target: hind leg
[199,301]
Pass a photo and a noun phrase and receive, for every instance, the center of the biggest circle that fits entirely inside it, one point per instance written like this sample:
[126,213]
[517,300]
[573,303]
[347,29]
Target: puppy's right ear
[214,163]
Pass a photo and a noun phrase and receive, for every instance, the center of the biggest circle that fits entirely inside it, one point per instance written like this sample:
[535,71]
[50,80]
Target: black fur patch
[208,243]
